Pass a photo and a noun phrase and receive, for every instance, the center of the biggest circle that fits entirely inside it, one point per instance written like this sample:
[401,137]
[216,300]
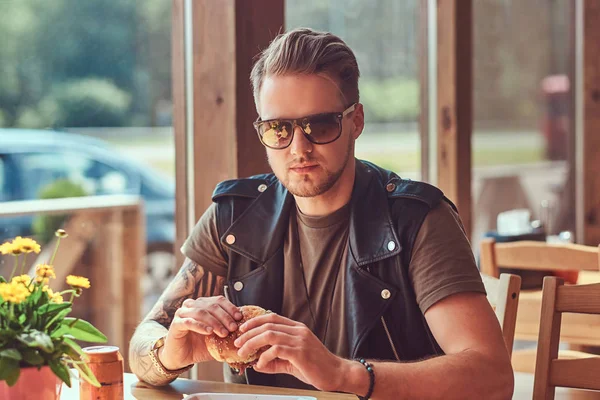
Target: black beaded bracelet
[369,368]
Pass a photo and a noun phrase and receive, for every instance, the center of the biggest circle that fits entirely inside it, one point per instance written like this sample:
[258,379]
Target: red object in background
[568,275]
[556,120]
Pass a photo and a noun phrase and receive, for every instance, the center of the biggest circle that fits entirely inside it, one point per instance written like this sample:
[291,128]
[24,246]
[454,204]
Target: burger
[223,349]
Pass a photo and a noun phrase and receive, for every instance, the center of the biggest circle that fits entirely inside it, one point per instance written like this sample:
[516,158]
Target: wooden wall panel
[226,36]
[455,102]
[591,121]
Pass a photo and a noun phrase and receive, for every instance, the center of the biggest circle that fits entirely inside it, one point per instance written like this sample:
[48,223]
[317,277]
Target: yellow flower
[6,248]
[24,279]
[44,271]
[25,245]
[78,281]
[61,233]
[13,292]
[54,297]
[57,298]
[43,281]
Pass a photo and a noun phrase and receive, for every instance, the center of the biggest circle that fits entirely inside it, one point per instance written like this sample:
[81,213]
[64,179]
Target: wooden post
[591,122]
[455,98]
[133,245]
[182,227]
[106,276]
[226,35]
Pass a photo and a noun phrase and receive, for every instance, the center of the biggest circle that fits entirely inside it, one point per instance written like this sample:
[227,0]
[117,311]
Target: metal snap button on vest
[391,245]
[230,239]
[262,187]
[386,294]
[390,187]
[238,286]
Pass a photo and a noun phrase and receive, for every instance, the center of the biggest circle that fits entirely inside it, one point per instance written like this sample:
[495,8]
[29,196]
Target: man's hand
[294,350]
[193,321]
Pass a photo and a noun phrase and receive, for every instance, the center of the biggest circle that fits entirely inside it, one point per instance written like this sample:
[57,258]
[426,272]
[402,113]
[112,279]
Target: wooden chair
[503,295]
[540,256]
[551,371]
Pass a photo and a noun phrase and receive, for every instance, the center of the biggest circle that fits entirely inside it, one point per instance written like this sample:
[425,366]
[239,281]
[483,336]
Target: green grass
[410,161]
[404,161]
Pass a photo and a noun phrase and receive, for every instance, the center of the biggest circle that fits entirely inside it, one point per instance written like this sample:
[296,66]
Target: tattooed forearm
[183,286]
[139,360]
[192,281]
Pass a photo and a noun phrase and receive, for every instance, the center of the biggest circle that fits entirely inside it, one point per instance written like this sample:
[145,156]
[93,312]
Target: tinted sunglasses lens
[322,128]
[275,134]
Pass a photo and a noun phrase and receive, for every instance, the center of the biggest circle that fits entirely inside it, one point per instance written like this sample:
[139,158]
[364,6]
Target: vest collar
[259,232]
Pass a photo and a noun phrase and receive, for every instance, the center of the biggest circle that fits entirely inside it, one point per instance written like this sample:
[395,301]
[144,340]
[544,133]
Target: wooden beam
[423,62]
[226,35]
[106,276]
[455,102]
[133,256]
[182,227]
[591,122]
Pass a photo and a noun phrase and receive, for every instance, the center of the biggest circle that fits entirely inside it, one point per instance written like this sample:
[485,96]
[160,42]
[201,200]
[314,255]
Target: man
[354,262]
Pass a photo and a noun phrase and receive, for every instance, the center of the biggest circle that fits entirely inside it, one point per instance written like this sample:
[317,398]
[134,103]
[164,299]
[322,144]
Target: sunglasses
[318,129]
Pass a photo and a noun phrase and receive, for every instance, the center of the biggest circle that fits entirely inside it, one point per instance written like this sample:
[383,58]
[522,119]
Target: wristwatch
[167,373]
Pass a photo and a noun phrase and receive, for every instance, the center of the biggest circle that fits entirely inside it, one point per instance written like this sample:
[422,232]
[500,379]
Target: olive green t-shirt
[442,264]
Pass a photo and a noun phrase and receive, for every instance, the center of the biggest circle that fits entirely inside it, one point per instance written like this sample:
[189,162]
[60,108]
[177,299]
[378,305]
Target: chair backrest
[550,371]
[503,295]
[531,255]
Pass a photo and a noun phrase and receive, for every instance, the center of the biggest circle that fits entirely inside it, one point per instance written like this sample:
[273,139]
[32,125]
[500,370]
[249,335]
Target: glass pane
[383,36]
[522,103]
[85,108]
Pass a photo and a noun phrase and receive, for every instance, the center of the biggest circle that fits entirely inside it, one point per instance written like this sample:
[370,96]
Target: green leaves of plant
[38,340]
[83,330]
[61,370]
[9,370]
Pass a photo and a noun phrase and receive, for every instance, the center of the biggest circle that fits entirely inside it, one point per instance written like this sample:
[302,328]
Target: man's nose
[300,144]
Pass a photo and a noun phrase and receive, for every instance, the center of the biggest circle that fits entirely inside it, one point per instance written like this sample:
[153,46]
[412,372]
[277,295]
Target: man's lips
[303,168]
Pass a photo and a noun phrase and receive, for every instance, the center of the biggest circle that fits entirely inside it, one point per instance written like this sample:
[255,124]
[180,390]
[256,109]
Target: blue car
[30,160]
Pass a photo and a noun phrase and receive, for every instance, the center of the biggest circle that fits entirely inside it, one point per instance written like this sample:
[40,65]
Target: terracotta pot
[33,384]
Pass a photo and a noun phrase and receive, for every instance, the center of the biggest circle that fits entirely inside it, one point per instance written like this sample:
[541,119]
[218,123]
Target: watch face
[159,343]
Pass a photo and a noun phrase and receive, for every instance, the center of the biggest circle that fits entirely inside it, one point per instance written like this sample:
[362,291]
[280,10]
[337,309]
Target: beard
[304,185]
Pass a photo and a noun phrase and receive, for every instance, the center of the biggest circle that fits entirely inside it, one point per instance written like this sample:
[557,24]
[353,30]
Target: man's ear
[358,119]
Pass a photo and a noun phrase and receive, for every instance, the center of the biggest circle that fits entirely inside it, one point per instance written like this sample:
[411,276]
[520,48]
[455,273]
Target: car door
[10,190]
[63,173]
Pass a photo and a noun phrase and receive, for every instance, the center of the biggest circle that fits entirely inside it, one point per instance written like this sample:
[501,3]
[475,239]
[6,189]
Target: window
[47,174]
[384,37]
[4,195]
[522,121]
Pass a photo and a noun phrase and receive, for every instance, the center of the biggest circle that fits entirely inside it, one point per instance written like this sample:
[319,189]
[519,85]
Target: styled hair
[306,51]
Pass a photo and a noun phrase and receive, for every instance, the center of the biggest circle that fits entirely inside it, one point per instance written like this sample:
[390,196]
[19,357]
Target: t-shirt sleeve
[202,246]
[442,261]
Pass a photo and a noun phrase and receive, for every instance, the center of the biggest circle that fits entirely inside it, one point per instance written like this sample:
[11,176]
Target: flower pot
[33,384]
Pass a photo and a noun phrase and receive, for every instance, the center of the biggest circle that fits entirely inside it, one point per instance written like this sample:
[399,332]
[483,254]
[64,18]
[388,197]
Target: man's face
[304,168]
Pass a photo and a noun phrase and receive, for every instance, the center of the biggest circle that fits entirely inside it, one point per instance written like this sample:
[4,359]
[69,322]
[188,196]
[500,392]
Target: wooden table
[138,390]
[135,389]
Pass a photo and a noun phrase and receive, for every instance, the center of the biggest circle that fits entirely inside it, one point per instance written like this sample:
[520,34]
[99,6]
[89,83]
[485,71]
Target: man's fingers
[230,308]
[267,338]
[274,359]
[267,318]
[206,318]
[226,319]
[183,325]
[290,330]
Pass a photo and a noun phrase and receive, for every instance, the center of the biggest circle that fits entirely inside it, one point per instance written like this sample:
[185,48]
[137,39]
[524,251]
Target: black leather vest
[384,321]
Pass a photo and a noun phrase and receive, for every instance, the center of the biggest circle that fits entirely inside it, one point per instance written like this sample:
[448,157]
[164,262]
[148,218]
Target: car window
[71,174]
[4,196]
